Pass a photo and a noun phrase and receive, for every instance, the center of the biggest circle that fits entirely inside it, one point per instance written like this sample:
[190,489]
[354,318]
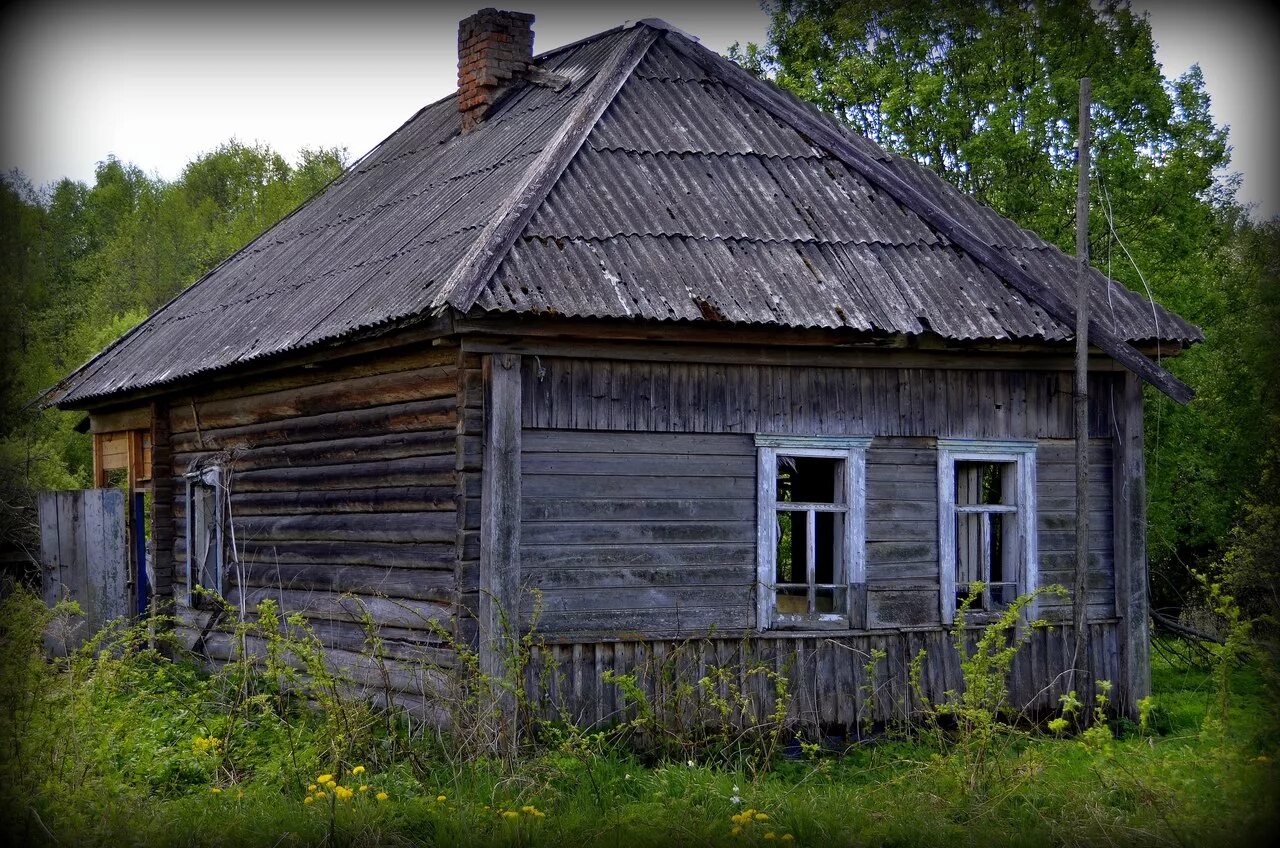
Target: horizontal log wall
[638,533]
[344,484]
[653,534]
[638,500]
[827,676]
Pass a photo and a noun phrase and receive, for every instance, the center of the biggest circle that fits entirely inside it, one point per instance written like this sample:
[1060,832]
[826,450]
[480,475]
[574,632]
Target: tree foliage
[81,264]
[986,95]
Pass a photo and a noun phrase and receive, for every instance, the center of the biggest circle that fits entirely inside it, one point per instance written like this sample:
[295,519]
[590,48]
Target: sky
[156,84]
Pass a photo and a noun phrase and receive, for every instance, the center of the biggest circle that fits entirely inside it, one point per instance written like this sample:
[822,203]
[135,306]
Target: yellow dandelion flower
[308,800]
[762,816]
[771,835]
[311,788]
[321,795]
[527,809]
[539,814]
[786,837]
[331,783]
[737,831]
[509,814]
[382,796]
[364,787]
[441,798]
[358,770]
[324,778]
[215,790]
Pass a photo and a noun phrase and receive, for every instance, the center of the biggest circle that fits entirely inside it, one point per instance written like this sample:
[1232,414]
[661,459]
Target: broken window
[810,530]
[986,492]
[204,538]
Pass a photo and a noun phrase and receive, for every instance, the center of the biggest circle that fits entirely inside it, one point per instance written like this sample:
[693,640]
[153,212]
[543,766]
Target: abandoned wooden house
[621,336]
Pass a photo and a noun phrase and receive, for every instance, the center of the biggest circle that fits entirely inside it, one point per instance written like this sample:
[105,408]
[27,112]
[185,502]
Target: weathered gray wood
[50,548]
[84,558]
[1080,388]
[684,397]
[106,557]
[1132,604]
[500,519]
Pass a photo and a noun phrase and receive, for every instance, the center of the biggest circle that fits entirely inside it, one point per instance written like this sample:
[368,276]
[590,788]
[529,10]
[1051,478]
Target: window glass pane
[829,547]
[1003,594]
[996,569]
[807,479]
[968,550]
[984,483]
[789,558]
[830,599]
[793,600]
[203,545]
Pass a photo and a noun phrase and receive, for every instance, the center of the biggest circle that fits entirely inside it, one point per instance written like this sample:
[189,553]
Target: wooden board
[85,558]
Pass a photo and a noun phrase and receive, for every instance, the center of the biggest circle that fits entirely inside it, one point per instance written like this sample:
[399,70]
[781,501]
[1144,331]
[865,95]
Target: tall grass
[121,743]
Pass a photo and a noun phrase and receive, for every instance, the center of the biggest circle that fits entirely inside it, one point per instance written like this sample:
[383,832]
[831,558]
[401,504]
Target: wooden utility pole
[1080,595]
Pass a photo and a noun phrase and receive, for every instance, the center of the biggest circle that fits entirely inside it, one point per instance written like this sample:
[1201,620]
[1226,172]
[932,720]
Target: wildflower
[331,784]
[364,787]
[205,744]
[321,795]
[735,799]
[786,837]
[526,809]
[441,798]
[762,816]
[737,831]
[509,814]
[1058,725]
[771,835]
[690,763]
[215,790]
[342,793]
[308,800]
[626,776]
[358,770]
[1263,758]
[735,789]
[311,788]
[382,796]
[324,778]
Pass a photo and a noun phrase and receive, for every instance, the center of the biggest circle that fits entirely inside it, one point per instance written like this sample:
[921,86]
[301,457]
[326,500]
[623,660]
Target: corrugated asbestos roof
[685,201]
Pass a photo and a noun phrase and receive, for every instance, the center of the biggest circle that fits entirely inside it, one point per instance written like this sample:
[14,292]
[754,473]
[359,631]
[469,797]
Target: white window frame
[851,449]
[1023,455]
[204,478]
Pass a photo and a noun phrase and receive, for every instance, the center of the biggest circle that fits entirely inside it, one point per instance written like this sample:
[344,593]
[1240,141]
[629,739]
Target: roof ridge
[829,134]
[474,269]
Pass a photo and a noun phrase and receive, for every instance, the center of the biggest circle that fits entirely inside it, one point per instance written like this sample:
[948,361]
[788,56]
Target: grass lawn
[131,752]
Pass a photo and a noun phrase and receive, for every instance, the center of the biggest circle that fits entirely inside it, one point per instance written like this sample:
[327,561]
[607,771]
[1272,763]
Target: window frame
[852,450]
[205,478]
[1022,454]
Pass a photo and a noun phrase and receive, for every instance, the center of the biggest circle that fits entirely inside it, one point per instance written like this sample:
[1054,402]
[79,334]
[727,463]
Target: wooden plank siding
[826,675]
[638,519]
[563,393]
[344,480]
[653,534]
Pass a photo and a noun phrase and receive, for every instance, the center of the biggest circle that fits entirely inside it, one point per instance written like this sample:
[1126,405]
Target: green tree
[82,264]
[985,94]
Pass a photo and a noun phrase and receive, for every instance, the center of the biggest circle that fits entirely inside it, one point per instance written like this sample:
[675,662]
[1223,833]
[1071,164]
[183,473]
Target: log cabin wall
[343,479]
[638,522]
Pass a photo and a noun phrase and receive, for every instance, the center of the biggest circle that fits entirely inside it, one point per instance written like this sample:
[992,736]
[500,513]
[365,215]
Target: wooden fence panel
[85,558]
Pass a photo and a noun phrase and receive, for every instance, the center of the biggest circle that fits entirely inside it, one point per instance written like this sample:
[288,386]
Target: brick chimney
[494,47]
